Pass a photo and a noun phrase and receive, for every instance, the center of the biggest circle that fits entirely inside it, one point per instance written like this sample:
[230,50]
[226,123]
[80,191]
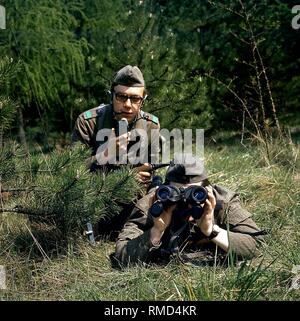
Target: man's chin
[129,117]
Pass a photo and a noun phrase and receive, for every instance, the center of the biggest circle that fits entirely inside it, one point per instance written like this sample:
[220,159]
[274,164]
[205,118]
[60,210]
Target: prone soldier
[189,218]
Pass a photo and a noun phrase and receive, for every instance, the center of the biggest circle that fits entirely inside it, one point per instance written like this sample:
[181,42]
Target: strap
[173,245]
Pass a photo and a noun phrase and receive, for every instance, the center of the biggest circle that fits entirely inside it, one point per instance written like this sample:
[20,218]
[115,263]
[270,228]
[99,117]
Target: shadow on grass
[200,258]
[41,242]
[295,135]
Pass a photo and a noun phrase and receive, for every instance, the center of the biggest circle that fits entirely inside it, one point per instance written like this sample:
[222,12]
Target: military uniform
[186,240]
[90,122]
[86,128]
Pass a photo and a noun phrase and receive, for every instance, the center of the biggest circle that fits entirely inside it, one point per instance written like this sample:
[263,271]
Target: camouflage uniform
[185,240]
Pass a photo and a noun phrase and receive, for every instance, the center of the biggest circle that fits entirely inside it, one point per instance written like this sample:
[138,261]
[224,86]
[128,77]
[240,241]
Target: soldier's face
[126,102]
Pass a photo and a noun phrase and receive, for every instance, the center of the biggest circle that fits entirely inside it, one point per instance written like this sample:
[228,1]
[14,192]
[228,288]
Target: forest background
[231,67]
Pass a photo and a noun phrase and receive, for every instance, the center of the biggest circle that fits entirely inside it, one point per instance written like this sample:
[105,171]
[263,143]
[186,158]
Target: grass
[52,270]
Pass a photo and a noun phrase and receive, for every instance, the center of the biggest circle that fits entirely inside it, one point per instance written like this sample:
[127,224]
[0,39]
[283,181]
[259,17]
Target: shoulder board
[154,119]
[92,113]
[150,117]
[89,114]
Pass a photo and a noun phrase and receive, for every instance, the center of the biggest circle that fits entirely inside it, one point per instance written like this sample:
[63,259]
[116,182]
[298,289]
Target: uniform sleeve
[134,247]
[133,244]
[245,237]
[83,132]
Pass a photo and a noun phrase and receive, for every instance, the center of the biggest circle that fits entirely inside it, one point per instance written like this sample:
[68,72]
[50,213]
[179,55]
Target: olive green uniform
[85,130]
[90,122]
[134,245]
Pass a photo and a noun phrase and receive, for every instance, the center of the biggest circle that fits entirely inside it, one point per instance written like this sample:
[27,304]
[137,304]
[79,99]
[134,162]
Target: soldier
[177,231]
[128,94]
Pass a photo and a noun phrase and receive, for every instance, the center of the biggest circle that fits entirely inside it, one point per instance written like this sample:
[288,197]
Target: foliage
[70,51]
[7,107]
[42,38]
[59,190]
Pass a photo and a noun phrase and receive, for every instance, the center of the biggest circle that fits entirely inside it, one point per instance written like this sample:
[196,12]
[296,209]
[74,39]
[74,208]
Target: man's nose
[127,103]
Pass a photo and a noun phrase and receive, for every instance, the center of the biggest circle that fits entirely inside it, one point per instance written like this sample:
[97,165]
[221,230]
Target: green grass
[47,269]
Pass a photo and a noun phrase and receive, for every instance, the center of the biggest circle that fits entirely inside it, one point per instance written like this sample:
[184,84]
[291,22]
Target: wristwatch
[215,231]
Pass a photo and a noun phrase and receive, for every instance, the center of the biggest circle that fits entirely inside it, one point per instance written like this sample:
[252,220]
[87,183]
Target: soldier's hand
[160,224]
[206,221]
[115,146]
[121,143]
[144,173]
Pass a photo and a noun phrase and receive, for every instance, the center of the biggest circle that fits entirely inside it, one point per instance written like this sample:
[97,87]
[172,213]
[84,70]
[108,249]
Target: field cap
[186,169]
[130,76]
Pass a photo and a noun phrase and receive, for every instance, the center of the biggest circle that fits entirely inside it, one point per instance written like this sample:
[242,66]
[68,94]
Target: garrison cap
[130,76]
[185,169]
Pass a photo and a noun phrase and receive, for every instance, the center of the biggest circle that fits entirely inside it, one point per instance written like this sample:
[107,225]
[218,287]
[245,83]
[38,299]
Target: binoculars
[167,195]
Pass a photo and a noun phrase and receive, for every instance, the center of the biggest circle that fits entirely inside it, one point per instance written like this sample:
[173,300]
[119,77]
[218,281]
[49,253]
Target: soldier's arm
[154,142]
[245,237]
[134,247]
[134,242]
[83,132]
[144,170]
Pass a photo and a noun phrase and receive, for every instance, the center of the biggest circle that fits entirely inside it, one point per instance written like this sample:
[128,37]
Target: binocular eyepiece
[167,195]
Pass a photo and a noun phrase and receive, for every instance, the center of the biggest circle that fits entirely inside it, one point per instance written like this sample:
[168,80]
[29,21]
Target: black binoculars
[167,195]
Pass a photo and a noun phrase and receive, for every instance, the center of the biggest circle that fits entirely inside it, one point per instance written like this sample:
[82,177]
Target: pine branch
[13,190]
[29,212]
[7,69]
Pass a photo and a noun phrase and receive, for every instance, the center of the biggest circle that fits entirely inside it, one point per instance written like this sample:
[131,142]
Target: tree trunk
[22,134]
[1,137]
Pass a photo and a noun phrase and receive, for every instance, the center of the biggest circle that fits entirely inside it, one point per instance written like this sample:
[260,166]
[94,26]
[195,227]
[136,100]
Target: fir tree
[58,189]
[7,106]
[147,38]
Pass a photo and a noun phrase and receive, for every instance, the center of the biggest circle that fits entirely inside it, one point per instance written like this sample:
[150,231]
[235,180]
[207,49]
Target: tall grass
[37,270]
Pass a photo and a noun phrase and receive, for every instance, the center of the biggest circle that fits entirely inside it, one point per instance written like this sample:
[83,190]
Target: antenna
[125,121]
[122,127]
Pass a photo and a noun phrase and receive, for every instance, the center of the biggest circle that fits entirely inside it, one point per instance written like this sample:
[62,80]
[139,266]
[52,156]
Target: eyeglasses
[133,99]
